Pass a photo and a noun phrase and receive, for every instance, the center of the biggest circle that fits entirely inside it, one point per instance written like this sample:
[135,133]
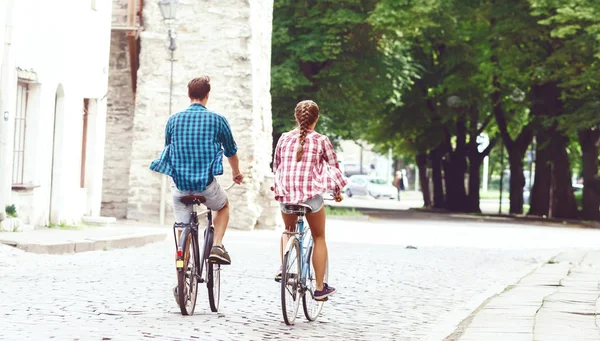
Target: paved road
[385,290]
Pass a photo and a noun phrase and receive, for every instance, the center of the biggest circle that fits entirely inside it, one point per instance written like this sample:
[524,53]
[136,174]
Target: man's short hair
[199,87]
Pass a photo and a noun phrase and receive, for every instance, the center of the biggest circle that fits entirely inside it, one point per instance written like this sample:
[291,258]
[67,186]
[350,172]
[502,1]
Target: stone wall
[119,124]
[229,40]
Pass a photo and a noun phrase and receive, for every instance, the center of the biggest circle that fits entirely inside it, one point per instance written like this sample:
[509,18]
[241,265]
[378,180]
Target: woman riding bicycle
[305,167]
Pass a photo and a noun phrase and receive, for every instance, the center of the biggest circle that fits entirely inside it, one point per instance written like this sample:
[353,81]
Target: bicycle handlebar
[333,198]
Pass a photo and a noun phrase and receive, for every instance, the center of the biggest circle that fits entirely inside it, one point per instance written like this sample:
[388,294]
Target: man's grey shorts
[216,198]
[315,203]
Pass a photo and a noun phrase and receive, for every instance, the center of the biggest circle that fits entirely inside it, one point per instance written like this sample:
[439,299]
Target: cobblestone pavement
[385,291]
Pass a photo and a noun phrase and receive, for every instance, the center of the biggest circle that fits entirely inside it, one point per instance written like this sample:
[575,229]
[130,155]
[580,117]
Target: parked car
[375,187]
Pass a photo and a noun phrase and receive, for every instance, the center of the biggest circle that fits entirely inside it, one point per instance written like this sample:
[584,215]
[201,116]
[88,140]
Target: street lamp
[168,9]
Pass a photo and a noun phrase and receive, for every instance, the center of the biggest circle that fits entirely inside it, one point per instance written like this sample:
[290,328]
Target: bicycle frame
[300,233]
[191,231]
[305,255]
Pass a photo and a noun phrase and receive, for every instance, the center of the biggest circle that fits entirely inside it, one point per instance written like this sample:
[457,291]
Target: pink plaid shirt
[318,172]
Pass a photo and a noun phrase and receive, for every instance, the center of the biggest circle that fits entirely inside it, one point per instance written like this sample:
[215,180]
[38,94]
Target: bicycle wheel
[290,276]
[214,285]
[187,280]
[312,308]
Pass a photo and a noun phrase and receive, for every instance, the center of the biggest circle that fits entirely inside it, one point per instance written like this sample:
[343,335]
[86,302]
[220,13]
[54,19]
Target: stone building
[229,40]
[53,86]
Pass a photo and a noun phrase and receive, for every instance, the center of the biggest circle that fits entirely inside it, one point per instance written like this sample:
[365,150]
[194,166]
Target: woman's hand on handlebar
[336,195]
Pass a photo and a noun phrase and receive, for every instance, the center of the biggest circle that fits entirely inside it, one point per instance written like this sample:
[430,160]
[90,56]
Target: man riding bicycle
[195,141]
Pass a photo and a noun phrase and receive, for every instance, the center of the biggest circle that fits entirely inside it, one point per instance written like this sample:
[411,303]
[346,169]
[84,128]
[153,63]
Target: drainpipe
[5,173]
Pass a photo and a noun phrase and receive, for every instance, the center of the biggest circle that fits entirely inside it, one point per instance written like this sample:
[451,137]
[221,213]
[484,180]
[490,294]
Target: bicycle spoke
[187,282]
[290,283]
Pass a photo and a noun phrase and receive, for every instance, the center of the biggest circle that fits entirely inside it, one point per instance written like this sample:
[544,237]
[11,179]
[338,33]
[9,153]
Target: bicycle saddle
[193,200]
[298,208]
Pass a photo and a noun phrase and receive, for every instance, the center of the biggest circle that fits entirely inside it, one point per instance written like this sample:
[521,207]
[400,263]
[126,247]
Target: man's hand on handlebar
[238,178]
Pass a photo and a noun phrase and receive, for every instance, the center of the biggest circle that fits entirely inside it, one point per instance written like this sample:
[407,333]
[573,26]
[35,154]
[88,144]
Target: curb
[85,245]
[509,218]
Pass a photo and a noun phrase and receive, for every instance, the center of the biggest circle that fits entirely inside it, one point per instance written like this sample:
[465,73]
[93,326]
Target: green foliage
[11,211]
[409,75]
[326,51]
[574,61]
[579,199]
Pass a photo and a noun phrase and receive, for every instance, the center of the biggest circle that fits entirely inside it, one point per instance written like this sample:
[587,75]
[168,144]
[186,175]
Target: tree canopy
[428,77]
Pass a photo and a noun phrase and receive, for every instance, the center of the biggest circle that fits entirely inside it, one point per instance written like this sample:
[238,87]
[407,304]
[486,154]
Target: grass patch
[63,226]
[342,211]
[491,194]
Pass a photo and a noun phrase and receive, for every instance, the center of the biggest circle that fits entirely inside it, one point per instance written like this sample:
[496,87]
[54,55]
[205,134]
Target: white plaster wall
[64,42]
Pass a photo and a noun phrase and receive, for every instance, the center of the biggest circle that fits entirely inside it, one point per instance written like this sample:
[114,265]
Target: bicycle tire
[213,284]
[208,243]
[312,308]
[188,296]
[290,276]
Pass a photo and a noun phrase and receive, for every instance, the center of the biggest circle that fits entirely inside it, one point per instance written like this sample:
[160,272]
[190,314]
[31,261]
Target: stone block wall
[229,40]
[119,124]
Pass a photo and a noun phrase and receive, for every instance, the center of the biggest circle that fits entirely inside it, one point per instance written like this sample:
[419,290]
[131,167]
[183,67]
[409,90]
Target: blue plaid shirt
[195,140]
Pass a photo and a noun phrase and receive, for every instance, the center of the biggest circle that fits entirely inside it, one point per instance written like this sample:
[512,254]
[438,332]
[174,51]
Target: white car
[375,187]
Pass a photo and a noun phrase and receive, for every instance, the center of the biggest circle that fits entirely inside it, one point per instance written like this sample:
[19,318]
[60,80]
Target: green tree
[571,71]
[441,115]
[326,50]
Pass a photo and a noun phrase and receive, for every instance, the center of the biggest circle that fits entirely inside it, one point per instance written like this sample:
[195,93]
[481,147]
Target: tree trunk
[423,180]
[436,177]
[563,200]
[539,198]
[474,182]
[590,140]
[516,151]
[455,168]
[454,176]
[546,104]
[517,181]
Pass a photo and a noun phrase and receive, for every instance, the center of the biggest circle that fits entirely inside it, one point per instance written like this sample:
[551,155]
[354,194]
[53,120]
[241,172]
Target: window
[20,130]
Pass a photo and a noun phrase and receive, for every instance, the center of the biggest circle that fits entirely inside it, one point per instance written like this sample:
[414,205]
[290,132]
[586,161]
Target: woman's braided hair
[307,113]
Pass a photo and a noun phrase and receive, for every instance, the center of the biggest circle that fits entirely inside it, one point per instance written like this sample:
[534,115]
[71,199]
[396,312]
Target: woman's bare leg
[316,221]
[290,225]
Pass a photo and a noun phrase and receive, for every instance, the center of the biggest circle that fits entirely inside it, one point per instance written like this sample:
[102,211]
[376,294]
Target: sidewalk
[558,301]
[122,234]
